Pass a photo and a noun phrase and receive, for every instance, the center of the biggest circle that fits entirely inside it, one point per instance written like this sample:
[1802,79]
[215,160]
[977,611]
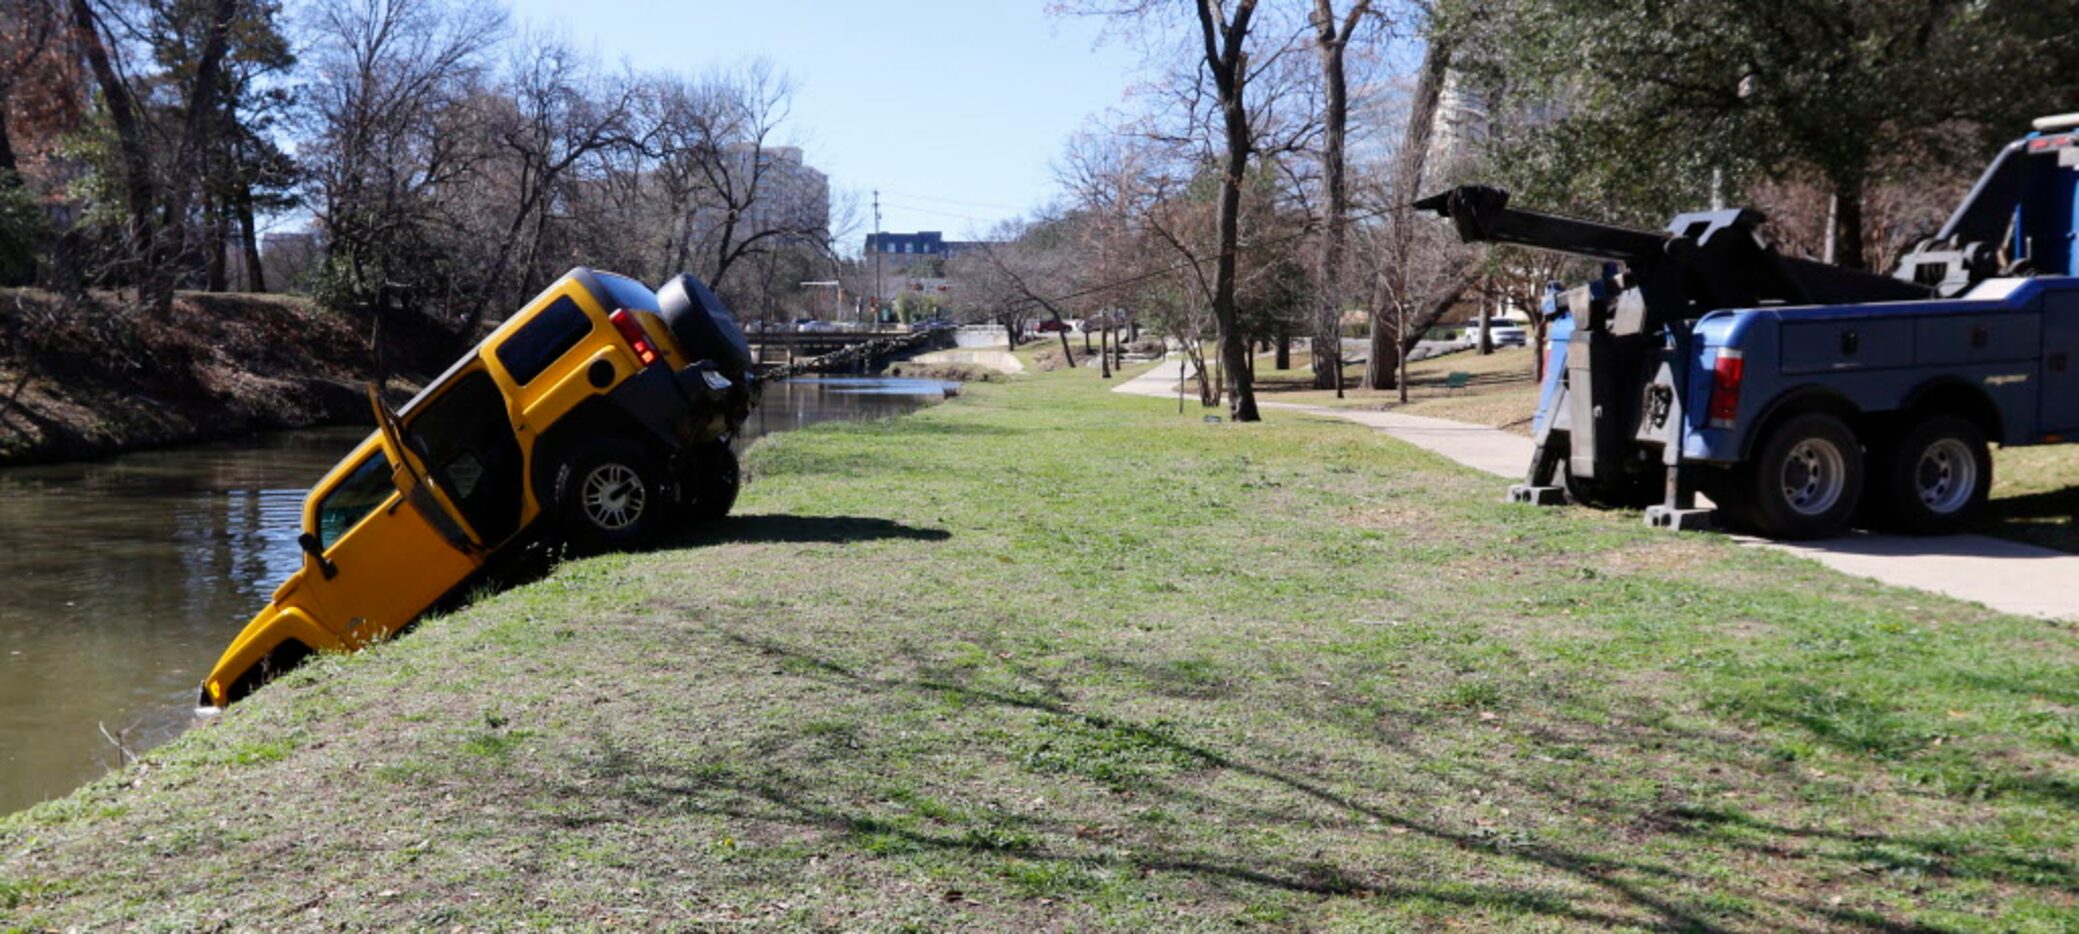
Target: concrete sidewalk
[2006,576]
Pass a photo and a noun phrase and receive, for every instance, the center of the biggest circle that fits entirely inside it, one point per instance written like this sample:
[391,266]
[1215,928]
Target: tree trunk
[1400,375]
[1104,352]
[1379,369]
[1848,244]
[1538,324]
[1284,361]
[216,227]
[139,195]
[1230,72]
[1486,345]
[7,163]
[1385,361]
[1328,310]
[249,240]
[201,113]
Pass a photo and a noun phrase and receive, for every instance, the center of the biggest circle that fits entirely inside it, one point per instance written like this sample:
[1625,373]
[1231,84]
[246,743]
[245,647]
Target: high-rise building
[791,196]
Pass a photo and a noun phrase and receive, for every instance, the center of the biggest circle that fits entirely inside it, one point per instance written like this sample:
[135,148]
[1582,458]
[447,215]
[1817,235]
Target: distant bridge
[781,354]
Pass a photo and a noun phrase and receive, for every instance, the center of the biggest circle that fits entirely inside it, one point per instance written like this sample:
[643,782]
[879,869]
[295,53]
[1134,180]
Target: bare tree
[1240,101]
[560,113]
[1227,64]
[390,134]
[1417,278]
[1332,35]
[1026,272]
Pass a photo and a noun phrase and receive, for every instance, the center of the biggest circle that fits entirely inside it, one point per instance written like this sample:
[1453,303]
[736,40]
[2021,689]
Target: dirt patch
[1050,358]
[89,377]
[952,372]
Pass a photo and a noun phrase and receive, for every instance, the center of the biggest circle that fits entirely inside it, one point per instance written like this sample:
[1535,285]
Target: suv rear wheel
[610,495]
[709,481]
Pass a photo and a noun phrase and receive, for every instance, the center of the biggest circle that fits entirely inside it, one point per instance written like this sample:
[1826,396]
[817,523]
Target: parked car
[595,415]
[1051,325]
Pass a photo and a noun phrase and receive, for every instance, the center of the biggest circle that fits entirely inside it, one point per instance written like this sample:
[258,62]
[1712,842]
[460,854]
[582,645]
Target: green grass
[1046,656]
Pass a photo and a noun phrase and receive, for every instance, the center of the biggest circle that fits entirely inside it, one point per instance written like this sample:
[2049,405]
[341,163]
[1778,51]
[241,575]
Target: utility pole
[878,248]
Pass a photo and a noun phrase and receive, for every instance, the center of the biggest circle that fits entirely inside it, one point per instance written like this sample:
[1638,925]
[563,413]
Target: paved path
[2006,576]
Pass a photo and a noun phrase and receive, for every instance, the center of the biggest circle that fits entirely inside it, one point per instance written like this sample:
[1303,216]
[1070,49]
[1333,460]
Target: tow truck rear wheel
[1804,481]
[1935,477]
[610,495]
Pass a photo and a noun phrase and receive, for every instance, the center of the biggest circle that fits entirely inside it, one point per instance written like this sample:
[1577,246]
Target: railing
[867,346]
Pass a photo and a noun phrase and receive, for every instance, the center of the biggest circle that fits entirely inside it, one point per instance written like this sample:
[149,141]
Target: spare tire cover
[703,325]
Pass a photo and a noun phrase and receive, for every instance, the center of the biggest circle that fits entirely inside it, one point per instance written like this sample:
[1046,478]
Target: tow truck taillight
[1725,388]
[631,331]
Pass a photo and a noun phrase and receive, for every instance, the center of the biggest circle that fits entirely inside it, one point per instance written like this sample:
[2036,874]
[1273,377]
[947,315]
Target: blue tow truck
[1800,397]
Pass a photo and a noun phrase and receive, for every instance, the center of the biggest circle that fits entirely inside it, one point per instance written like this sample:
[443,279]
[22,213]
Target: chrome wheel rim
[1814,476]
[1946,477]
[613,496]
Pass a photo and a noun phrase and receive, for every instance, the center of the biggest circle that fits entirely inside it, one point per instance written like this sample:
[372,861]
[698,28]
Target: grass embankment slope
[1049,656]
[89,376]
[2035,490]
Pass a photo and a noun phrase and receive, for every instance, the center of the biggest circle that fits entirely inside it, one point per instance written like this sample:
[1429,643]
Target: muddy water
[121,580]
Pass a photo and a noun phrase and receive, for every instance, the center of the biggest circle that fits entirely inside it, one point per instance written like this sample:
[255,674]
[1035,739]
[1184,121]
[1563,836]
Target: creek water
[121,580]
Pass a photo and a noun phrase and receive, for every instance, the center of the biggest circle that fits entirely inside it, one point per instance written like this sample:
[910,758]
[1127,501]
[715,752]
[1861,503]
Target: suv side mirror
[310,545]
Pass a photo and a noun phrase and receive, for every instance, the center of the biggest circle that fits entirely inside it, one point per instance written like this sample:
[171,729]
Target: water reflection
[121,580]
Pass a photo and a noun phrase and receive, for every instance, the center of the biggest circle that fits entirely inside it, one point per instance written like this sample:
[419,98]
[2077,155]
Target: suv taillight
[1726,375]
[631,331]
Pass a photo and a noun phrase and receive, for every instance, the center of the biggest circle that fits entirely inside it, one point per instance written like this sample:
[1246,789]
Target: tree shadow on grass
[526,564]
[2034,518]
[773,528]
[773,791]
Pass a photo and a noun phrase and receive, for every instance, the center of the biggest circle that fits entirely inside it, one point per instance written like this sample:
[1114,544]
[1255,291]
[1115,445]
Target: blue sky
[954,110]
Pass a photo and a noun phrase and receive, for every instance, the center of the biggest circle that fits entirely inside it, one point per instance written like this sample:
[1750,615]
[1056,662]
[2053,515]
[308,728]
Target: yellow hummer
[594,415]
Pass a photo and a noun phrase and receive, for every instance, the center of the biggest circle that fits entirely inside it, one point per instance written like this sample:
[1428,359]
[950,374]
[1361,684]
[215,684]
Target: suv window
[467,442]
[364,488]
[539,342]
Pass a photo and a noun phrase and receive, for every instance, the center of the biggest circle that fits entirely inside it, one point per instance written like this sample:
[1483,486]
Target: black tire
[1934,479]
[709,482]
[1804,480]
[610,494]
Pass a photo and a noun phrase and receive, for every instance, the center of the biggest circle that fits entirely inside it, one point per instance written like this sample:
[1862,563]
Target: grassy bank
[87,377]
[2035,491]
[1048,656]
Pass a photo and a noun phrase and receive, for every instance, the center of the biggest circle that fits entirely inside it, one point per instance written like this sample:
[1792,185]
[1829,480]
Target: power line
[938,213]
[1181,265]
[973,204]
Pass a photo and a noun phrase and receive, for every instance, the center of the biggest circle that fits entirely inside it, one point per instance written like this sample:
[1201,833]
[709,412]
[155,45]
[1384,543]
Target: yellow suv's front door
[387,564]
